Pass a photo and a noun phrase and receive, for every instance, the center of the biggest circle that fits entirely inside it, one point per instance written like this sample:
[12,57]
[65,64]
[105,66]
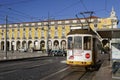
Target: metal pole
[47,48]
[79,21]
[6,37]
[87,20]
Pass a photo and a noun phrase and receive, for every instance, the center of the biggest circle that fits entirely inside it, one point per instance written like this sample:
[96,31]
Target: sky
[38,10]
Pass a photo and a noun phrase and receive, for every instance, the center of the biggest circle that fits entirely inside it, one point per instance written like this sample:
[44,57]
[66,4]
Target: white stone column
[52,43]
[32,43]
[46,44]
[20,44]
[10,46]
[59,44]
[26,44]
[39,44]
[15,45]
[4,45]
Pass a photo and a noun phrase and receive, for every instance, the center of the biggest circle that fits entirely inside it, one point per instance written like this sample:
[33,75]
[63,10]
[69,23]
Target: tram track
[69,73]
[79,75]
[75,75]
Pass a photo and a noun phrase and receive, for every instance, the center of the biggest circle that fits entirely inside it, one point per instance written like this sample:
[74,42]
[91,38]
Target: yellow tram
[83,48]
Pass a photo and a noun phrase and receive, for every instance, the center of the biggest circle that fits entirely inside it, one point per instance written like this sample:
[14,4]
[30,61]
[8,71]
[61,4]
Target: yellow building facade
[47,34]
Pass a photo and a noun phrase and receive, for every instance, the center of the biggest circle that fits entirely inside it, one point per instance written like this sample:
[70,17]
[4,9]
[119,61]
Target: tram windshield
[78,42]
[70,43]
[87,43]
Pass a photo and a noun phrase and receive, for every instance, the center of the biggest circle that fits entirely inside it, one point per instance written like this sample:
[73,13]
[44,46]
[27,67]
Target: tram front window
[78,42]
[70,43]
[87,43]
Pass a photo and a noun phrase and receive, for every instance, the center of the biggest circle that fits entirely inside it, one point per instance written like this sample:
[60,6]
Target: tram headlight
[87,55]
[71,57]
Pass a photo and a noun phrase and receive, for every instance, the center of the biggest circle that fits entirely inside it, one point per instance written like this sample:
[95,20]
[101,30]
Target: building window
[12,30]
[2,33]
[56,32]
[74,21]
[36,33]
[67,22]
[18,32]
[12,33]
[49,33]
[29,29]
[30,32]
[52,22]
[2,30]
[95,25]
[63,32]
[42,32]
[23,29]
[59,22]
[24,32]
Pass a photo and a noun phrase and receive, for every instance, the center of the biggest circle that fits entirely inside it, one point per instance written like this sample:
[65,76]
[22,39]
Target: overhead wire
[18,13]
[14,3]
[12,18]
[83,5]
[24,14]
[67,7]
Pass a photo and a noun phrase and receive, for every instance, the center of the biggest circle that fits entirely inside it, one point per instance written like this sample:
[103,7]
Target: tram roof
[109,33]
[104,33]
[82,31]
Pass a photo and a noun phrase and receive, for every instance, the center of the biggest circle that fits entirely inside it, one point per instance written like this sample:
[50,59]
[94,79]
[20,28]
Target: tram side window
[116,45]
[70,43]
[87,43]
[78,42]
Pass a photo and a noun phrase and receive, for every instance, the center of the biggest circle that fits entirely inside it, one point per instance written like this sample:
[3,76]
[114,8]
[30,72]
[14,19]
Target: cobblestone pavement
[19,55]
[105,71]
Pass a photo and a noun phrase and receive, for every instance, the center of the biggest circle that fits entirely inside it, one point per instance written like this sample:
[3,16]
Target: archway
[30,45]
[63,44]
[24,45]
[12,45]
[2,45]
[56,45]
[18,45]
[36,45]
[8,45]
[42,45]
[49,44]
